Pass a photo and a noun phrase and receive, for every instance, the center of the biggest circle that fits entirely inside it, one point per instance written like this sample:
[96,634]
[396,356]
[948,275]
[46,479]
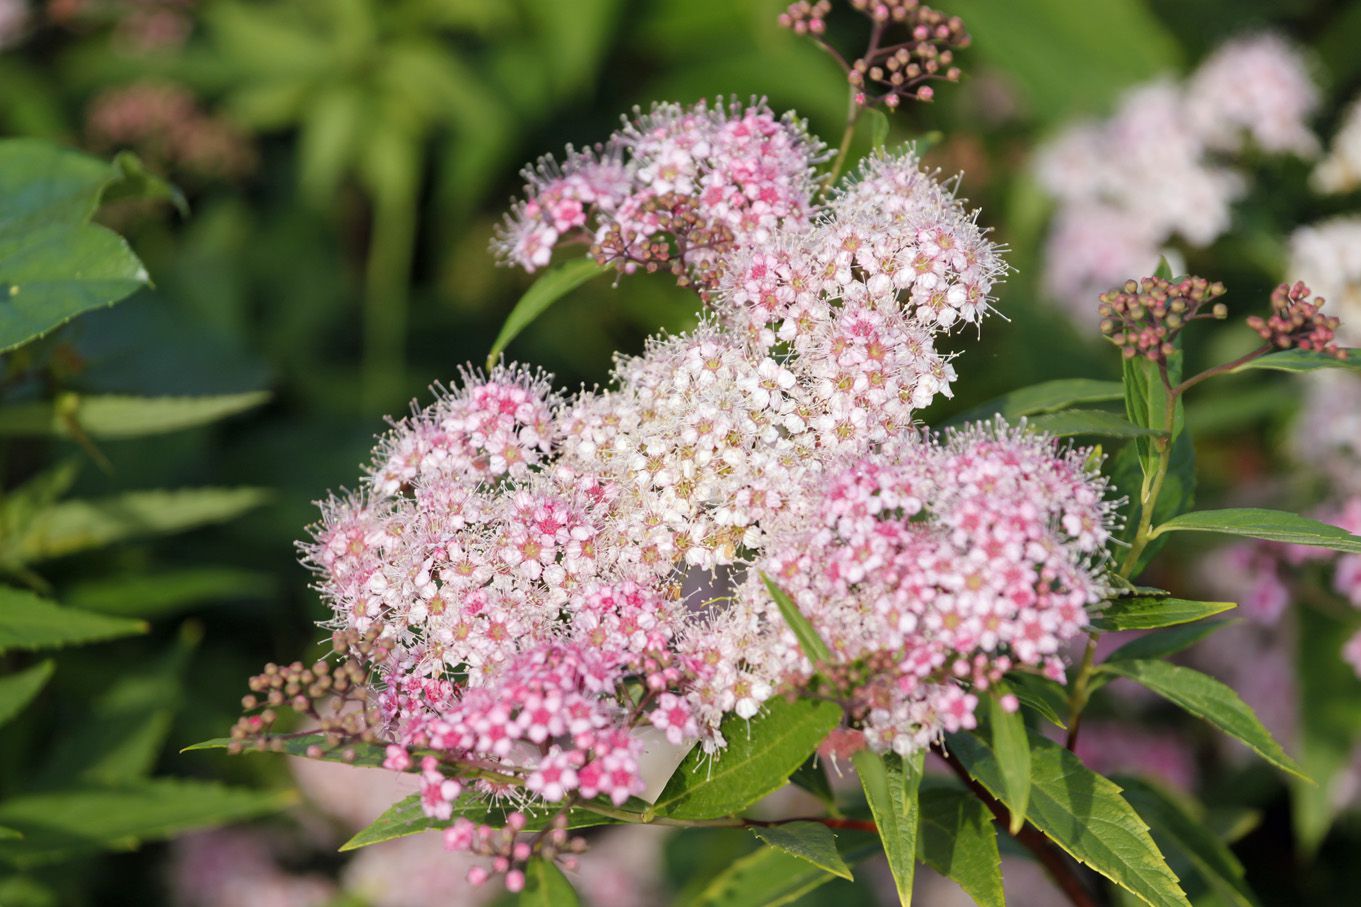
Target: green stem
[844,149]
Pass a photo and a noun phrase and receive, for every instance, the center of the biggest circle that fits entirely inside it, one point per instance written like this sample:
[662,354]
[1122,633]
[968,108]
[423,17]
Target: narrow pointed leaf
[1301,361]
[767,878]
[1270,525]
[363,754]
[760,757]
[1207,698]
[891,786]
[1072,422]
[813,647]
[114,416]
[154,595]
[1046,397]
[1012,746]
[551,286]
[19,689]
[959,840]
[546,886]
[1084,814]
[28,622]
[1163,643]
[1045,696]
[811,842]
[1142,612]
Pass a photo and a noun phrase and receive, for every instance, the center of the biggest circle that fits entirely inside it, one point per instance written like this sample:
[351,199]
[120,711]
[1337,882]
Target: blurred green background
[345,162]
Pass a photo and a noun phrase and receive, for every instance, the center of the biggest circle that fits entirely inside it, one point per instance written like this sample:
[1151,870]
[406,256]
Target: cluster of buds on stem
[680,240]
[336,697]
[509,852]
[910,45]
[1144,317]
[1296,321]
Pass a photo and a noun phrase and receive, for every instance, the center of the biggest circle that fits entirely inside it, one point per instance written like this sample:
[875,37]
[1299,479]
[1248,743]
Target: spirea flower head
[1256,87]
[929,569]
[1327,256]
[1340,169]
[674,189]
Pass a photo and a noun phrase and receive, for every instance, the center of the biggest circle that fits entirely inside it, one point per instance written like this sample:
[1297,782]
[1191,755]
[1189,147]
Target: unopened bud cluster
[1297,322]
[1144,317]
[910,45]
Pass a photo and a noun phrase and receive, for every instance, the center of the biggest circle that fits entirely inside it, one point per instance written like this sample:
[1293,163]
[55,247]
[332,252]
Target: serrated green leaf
[811,842]
[1330,724]
[959,840]
[551,286]
[1142,612]
[1073,422]
[546,886]
[1046,397]
[891,786]
[1301,361]
[810,642]
[28,622]
[760,756]
[1084,814]
[59,824]
[1171,822]
[1269,525]
[18,690]
[72,526]
[406,817]
[1206,698]
[1163,643]
[1045,696]
[155,595]
[1012,746]
[114,416]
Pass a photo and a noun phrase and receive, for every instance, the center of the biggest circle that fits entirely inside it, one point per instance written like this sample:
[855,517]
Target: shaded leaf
[760,756]
[959,840]
[551,286]
[546,886]
[1046,397]
[1071,422]
[1045,696]
[1206,698]
[812,777]
[768,878]
[811,842]
[891,786]
[159,594]
[114,416]
[1165,642]
[19,689]
[1084,814]
[1269,525]
[30,622]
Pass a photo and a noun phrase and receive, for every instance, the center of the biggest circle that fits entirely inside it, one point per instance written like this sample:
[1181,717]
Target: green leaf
[959,840]
[1084,814]
[554,284]
[1270,525]
[890,786]
[878,126]
[367,754]
[9,834]
[152,595]
[811,842]
[19,689]
[43,184]
[767,878]
[1300,361]
[59,824]
[30,622]
[406,817]
[1012,746]
[1330,724]
[1046,397]
[132,179]
[1143,612]
[1206,698]
[51,274]
[1045,696]
[760,756]
[546,886]
[112,416]
[1170,821]
[813,647]
[72,526]
[812,777]
[1165,642]
[1071,422]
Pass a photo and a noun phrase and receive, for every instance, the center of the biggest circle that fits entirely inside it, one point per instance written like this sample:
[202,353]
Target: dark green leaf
[814,649]
[760,756]
[546,886]
[44,185]
[1163,643]
[153,595]
[1171,822]
[891,786]
[1142,612]
[1012,746]
[959,840]
[1071,422]
[133,180]
[30,622]
[763,878]
[1041,694]
[114,416]
[1046,397]
[1301,361]
[1270,525]
[1084,814]
[18,690]
[551,286]
[59,824]
[1206,698]
[812,777]
[811,842]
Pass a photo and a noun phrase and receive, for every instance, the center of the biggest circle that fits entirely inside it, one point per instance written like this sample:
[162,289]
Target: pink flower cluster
[737,173]
[1157,169]
[940,564]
